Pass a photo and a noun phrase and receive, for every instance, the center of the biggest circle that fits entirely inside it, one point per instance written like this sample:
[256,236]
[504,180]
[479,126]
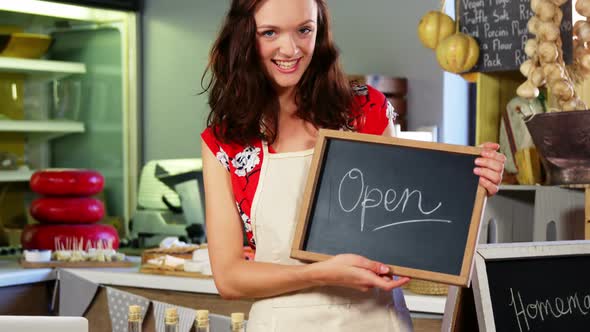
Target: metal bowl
[563,141]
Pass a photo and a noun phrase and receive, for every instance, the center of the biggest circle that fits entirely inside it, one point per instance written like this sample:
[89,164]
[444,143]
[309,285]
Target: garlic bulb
[585,61]
[537,77]
[525,68]
[582,30]
[530,48]
[548,52]
[546,10]
[548,31]
[559,2]
[545,65]
[533,24]
[583,7]
[553,72]
[562,89]
[527,90]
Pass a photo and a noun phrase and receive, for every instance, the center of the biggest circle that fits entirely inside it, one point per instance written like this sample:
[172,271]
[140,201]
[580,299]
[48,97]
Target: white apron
[274,212]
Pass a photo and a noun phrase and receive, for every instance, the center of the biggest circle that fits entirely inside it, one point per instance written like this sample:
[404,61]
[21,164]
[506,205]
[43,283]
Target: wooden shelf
[41,69]
[16,175]
[39,131]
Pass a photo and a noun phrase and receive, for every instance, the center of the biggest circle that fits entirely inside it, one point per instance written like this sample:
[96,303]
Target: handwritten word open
[370,198]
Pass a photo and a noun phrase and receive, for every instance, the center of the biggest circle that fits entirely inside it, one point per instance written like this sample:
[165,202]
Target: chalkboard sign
[500,28]
[413,205]
[537,287]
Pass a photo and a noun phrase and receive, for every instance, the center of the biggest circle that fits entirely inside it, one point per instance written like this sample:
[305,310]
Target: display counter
[18,284]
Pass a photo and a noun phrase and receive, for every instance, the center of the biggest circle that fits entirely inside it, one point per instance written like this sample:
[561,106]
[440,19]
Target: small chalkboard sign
[414,205]
[541,286]
[500,28]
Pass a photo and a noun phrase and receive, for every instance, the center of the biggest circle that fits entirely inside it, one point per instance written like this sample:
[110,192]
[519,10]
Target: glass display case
[75,106]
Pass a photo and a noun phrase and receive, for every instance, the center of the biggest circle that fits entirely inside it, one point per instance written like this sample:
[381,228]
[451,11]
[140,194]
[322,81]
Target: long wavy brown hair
[244,104]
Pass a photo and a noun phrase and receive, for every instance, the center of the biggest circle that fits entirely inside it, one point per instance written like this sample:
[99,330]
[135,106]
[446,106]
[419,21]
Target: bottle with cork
[170,320]
[202,321]
[237,322]
[134,319]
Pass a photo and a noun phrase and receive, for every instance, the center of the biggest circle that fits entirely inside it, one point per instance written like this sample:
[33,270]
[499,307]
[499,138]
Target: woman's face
[285,35]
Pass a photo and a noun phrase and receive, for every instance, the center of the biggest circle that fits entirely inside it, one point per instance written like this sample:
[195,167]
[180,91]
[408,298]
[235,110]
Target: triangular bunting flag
[119,302]
[75,293]
[186,316]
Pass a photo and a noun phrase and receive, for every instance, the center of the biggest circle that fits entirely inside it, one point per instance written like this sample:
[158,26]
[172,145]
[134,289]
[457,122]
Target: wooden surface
[587,213]
[494,91]
[427,325]
[151,269]
[52,264]
[30,299]
[464,318]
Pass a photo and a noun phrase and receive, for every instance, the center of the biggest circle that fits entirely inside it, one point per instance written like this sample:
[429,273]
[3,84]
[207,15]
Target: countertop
[11,274]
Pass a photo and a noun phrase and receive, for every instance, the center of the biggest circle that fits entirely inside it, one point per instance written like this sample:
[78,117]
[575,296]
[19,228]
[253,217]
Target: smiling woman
[275,80]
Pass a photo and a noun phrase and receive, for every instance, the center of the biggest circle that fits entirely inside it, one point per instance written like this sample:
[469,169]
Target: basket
[427,287]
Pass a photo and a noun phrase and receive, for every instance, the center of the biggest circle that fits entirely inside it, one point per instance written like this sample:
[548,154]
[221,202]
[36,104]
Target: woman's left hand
[490,167]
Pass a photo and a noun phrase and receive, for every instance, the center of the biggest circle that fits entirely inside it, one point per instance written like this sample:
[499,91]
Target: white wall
[379,37]
[177,36]
[455,125]
[375,37]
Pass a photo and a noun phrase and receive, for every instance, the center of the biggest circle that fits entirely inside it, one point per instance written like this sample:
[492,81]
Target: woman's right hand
[354,271]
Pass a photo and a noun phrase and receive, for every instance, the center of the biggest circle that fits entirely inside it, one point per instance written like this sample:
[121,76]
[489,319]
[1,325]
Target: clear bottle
[237,322]
[171,320]
[202,321]
[134,319]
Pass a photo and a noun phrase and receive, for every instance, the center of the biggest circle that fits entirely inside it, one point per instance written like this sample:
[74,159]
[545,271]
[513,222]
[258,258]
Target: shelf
[41,69]
[519,187]
[432,304]
[16,175]
[39,131]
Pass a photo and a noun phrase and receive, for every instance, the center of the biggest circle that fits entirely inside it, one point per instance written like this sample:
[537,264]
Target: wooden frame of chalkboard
[471,209]
[513,254]
[459,314]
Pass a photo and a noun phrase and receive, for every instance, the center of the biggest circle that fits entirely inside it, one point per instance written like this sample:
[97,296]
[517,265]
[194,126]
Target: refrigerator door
[96,99]
[89,75]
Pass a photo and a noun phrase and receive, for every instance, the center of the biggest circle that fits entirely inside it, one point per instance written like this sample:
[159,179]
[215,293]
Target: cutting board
[152,269]
[54,264]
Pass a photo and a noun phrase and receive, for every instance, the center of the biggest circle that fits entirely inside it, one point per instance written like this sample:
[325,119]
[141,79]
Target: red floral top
[244,162]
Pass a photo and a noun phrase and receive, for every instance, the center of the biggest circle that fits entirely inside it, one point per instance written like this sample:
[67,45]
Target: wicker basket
[427,287]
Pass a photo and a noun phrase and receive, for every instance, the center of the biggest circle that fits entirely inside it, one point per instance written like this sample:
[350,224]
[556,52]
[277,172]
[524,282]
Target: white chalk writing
[500,27]
[547,309]
[369,198]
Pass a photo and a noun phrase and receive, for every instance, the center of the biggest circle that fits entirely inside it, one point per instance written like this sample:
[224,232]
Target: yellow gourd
[457,53]
[434,27]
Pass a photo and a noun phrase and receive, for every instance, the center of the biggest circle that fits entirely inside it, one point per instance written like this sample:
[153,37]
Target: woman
[275,80]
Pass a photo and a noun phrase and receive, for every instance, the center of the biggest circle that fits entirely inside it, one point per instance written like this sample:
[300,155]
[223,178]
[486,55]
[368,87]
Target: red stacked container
[66,211]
